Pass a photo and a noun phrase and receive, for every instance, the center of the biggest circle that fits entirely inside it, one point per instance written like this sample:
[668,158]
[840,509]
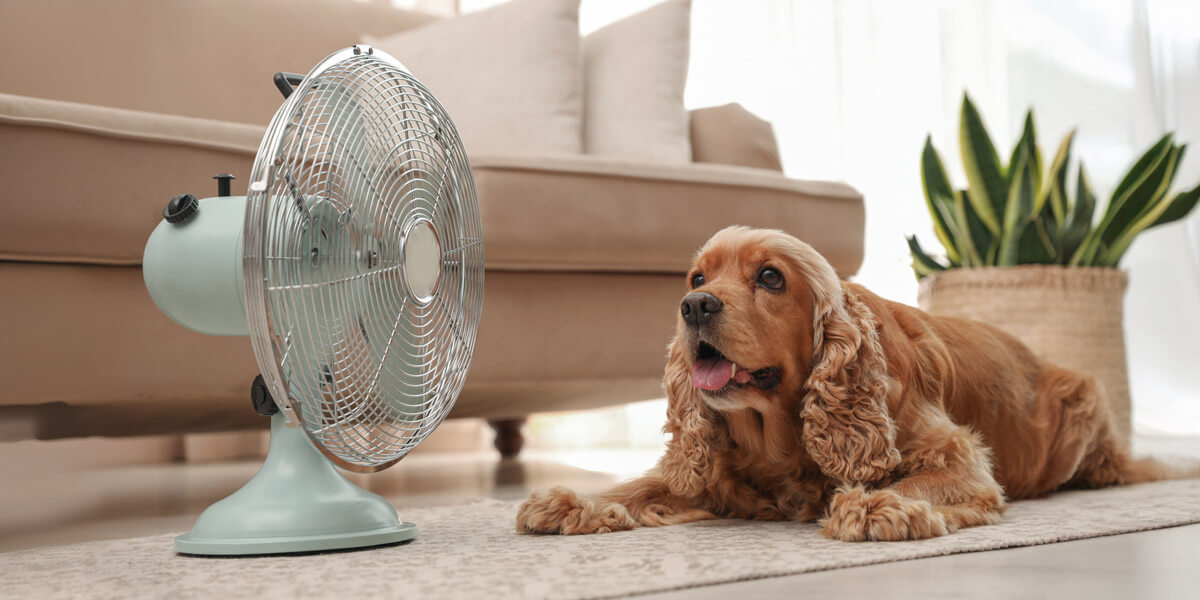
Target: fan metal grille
[361,158]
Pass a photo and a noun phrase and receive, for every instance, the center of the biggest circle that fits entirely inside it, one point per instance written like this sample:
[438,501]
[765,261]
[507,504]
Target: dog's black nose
[698,307]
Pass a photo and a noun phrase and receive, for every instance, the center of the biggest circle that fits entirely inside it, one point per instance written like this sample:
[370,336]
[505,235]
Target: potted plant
[1024,251]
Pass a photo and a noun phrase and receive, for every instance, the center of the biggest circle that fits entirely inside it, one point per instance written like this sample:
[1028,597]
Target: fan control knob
[181,208]
[261,397]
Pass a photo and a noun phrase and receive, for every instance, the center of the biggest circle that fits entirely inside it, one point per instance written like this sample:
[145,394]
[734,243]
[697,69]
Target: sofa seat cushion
[90,336]
[604,214]
[87,184]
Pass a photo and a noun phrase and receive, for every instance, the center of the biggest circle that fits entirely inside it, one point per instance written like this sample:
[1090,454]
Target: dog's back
[1046,426]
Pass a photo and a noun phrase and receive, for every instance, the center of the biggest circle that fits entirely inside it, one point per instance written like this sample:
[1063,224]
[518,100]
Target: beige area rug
[472,551]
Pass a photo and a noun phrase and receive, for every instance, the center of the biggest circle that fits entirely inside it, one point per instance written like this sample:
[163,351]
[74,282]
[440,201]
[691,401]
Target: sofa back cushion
[731,135]
[635,71]
[509,76]
[212,59]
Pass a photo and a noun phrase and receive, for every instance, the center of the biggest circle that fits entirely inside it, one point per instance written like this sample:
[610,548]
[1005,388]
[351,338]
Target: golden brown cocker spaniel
[793,395]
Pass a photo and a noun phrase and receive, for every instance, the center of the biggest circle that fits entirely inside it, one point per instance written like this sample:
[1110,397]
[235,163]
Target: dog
[793,395]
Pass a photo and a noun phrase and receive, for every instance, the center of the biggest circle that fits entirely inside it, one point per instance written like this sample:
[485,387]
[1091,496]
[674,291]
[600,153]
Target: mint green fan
[355,265]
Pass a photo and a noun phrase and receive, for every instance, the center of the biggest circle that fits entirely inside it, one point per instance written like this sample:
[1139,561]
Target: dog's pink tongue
[711,373]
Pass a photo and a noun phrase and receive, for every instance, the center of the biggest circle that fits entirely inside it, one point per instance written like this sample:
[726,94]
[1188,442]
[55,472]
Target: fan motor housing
[193,268]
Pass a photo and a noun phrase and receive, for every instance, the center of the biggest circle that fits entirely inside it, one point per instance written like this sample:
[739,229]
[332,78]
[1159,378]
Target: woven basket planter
[1072,316]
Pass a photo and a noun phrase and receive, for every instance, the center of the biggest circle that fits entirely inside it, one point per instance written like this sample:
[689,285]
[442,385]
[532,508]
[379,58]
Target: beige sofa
[109,109]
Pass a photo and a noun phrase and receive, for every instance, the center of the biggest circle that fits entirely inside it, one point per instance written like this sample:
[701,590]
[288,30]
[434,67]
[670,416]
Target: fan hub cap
[422,260]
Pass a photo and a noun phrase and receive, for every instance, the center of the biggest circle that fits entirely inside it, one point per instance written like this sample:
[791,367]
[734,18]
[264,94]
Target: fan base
[297,502]
[190,543]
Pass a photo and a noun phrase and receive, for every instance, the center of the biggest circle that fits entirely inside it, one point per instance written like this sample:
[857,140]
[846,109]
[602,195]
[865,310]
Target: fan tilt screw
[261,397]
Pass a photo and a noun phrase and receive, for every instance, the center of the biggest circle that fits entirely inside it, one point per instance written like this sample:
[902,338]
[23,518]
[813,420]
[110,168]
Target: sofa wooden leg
[509,438]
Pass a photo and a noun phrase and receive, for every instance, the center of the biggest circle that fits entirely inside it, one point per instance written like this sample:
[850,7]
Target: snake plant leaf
[1153,208]
[1054,235]
[922,264]
[987,188]
[1138,180]
[1146,202]
[975,242]
[1029,142]
[939,199]
[1018,210]
[1179,207]
[1085,256]
[1142,195]
[1089,247]
[1055,189]
[1080,218]
[1144,163]
[1037,245]
[952,252]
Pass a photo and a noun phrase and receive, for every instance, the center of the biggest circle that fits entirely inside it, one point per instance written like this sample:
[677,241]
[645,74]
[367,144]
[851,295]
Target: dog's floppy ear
[687,465]
[847,429]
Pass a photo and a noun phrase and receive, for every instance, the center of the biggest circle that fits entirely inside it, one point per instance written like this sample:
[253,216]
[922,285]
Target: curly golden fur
[804,397]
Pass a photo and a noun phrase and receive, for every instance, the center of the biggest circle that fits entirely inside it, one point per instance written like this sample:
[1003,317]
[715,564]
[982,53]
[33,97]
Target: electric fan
[355,265]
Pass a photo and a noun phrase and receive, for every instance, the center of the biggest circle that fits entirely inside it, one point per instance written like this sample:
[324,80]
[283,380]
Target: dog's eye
[770,278]
[697,280]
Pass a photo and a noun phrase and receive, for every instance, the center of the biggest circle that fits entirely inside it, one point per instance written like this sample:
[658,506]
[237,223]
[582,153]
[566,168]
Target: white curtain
[854,86]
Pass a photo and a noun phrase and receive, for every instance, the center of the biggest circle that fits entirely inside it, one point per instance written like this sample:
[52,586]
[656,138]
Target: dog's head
[766,325]
[747,322]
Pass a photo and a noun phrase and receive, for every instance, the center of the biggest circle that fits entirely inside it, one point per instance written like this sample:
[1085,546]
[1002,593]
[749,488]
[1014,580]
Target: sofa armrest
[732,135]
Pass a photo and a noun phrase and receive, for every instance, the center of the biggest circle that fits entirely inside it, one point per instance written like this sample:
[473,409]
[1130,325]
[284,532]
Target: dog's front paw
[856,515]
[561,511]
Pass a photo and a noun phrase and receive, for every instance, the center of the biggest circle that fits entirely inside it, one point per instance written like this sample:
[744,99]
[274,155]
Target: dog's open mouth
[712,372]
